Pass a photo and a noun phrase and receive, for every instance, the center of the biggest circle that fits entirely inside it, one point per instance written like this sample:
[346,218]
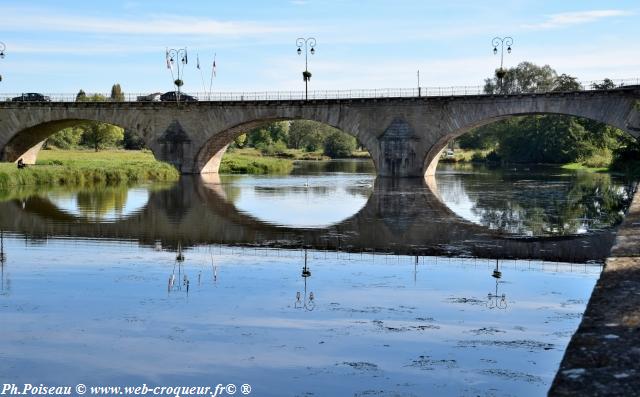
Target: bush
[339,145]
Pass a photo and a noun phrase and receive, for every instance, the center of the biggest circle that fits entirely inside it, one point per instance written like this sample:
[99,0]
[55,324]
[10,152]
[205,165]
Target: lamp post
[501,42]
[309,47]
[177,57]
[2,48]
[304,302]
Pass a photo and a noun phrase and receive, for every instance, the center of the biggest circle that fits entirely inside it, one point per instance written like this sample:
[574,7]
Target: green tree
[99,136]
[526,77]
[67,138]
[81,96]
[132,140]
[606,84]
[240,140]
[339,145]
[116,93]
[564,82]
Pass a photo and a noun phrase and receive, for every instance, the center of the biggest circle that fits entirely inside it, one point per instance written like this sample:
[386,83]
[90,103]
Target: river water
[470,283]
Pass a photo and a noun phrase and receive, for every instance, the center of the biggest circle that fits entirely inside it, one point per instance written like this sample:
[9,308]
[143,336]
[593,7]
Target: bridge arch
[209,156]
[26,143]
[619,111]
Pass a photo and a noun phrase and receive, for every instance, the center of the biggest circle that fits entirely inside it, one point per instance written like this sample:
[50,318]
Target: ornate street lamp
[2,48]
[177,57]
[305,302]
[309,47]
[496,301]
[501,42]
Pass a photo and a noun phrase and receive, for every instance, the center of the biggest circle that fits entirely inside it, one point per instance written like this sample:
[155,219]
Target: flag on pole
[186,61]
[166,54]
[197,61]
[214,66]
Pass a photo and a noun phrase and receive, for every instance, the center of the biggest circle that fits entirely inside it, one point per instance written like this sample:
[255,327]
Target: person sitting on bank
[21,164]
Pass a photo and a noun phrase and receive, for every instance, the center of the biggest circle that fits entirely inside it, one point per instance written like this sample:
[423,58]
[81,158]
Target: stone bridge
[403,135]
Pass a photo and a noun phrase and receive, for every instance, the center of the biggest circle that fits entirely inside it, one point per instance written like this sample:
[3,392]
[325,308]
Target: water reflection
[538,201]
[309,201]
[302,300]
[495,300]
[381,324]
[403,216]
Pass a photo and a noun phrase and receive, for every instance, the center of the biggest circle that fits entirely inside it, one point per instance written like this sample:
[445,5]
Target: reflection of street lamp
[309,46]
[2,48]
[3,258]
[304,302]
[496,301]
[177,57]
[500,42]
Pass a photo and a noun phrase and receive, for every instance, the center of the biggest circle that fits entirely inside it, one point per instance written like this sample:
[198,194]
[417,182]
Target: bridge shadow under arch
[401,217]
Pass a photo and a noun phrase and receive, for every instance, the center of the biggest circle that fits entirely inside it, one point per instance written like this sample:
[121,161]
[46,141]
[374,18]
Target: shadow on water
[400,216]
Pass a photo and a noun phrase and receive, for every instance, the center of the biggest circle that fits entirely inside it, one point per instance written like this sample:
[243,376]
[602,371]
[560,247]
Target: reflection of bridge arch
[403,135]
[45,207]
[402,218]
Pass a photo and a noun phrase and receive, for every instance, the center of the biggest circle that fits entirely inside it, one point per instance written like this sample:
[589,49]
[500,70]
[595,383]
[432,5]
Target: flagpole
[213,72]
[204,89]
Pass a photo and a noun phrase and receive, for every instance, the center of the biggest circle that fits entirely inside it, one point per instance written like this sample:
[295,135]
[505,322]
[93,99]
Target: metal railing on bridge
[330,94]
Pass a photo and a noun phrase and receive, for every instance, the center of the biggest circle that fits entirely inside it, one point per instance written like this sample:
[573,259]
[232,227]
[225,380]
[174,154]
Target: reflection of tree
[546,204]
[95,203]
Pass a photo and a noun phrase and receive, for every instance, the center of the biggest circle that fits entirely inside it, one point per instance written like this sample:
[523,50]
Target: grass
[583,167]
[250,161]
[82,167]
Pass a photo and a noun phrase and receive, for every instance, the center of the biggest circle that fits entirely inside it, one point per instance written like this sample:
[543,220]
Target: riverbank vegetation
[300,140]
[85,167]
[549,139]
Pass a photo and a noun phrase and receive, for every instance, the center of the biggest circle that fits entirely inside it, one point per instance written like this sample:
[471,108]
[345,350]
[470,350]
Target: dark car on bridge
[31,97]
[172,96]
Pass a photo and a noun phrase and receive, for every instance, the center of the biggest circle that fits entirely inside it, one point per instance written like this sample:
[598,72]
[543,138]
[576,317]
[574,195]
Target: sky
[58,46]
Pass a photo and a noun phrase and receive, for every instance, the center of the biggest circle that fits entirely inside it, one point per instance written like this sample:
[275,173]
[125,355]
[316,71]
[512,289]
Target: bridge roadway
[404,135]
[402,216]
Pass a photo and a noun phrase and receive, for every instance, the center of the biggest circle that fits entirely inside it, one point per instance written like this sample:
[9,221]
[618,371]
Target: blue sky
[62,46]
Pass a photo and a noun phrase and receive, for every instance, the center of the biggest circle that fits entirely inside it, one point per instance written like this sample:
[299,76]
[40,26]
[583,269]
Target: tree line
[554,139]
[309,136]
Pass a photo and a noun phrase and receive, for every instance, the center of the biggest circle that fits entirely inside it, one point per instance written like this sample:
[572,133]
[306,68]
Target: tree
[338,145]
[133,141]
[606,84]
[526,77]
[98,135]
[116,93]
[67,138]
[564,82]
[81,96]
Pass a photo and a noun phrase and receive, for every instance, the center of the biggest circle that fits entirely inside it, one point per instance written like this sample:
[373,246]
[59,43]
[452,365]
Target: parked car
[31,97]
[155,97]
[171,96]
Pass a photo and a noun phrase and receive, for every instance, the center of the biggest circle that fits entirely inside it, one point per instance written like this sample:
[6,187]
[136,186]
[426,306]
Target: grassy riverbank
[481,156]
[82,167]
[250,161]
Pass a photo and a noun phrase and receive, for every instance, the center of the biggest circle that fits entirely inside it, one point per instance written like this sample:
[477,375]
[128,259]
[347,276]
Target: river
[325,282]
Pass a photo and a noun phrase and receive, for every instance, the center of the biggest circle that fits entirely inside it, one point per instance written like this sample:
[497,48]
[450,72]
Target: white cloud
[15,19]
[575,18]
